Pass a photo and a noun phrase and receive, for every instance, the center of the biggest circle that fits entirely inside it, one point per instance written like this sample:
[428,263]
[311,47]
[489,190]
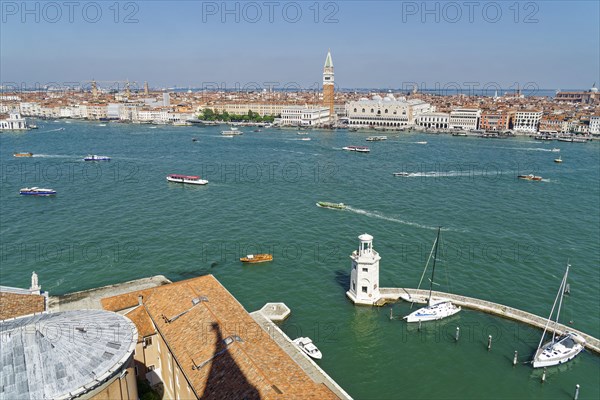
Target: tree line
[210,115]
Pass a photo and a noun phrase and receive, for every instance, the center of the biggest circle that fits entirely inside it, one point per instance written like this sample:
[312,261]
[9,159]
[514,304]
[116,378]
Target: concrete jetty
[420,296]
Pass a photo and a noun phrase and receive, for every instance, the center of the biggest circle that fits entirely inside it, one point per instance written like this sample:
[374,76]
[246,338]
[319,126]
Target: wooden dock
[420,296]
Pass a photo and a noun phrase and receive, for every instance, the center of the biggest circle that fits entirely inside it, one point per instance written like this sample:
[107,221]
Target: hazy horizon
[385,45]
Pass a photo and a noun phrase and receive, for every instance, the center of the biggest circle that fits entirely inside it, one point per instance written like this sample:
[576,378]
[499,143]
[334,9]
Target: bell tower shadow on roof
[226,380]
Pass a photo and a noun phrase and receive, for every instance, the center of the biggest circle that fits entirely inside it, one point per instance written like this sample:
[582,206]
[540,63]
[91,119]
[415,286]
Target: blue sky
[386,44]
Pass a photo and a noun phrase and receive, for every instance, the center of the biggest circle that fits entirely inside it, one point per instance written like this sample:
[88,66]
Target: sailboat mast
[562,293]
[552,311]
[437,241]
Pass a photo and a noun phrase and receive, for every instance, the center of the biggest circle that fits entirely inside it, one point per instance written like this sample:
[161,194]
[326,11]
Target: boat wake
[440,174]
[526,148]
[375,214]
[54,156]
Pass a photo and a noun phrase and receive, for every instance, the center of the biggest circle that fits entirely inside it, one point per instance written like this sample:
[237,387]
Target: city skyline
[235,44]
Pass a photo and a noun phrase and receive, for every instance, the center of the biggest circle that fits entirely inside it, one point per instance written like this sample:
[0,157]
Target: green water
[504,239]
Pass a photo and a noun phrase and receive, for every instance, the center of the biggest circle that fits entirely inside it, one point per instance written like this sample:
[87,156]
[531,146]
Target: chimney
[140,300]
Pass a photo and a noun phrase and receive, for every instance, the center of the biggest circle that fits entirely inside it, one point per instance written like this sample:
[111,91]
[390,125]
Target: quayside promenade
[389,295]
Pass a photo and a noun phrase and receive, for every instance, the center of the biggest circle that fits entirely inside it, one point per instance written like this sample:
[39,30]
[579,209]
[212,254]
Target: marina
[487,248]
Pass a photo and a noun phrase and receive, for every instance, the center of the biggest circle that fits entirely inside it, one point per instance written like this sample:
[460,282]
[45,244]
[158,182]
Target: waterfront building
[328,85]
[14,122]
[553,124]
[466,119]
[29,108]
[498,120]
[385,112]
[199,342]
[70,354]
[113,111]
[433,120]
[304,116]
[585,97]
[261,109]
[527,121]
[595,125]
[364,276]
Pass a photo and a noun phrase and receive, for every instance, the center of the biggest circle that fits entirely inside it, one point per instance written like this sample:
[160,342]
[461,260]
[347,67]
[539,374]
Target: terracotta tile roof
[15,305]
[197,336]
[142,321]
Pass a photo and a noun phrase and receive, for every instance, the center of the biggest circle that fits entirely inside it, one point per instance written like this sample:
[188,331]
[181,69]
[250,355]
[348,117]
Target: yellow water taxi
[257,258]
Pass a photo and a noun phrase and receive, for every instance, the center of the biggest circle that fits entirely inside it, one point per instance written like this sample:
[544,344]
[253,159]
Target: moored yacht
[563,347]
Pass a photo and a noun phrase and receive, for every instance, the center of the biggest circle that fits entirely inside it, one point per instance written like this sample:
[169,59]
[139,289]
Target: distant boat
[93,157]
[308,347]
[558,160]
[404,174]
[233,131]
[257,258]
[306,139]
[23,154]
[530,177]
[189,179]
[194,139]
[337,206]
[435,309]
[421,142]
[376,138]
[36,191]
[561,348]
[301,133]
[555,150]
[358,149]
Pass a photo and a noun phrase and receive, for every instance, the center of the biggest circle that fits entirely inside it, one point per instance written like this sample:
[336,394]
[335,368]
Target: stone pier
[420,296]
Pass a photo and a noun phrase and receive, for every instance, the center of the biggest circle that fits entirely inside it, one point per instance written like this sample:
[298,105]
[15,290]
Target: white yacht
[435,309]
[561,348]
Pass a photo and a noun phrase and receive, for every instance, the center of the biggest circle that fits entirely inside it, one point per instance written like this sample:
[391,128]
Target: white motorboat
[376,138]
[189,179]
[233,131]
[308,347]
[561,348]
[438,309]
[358,149]
[93,157]
[36,191]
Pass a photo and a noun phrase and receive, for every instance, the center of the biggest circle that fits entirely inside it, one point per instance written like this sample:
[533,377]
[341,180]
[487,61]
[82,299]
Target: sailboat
[435,309]
[561,348]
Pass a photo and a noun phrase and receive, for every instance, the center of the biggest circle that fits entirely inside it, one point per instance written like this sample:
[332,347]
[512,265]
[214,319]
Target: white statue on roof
[35,287]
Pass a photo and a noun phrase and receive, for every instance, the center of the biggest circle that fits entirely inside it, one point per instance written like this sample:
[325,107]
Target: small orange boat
[257,258]
[23,154]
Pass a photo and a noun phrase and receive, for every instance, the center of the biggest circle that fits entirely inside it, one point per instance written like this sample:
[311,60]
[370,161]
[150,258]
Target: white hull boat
[438,309]
[562,348]
[433,312]
[232,132]
[308,347]
[189,179]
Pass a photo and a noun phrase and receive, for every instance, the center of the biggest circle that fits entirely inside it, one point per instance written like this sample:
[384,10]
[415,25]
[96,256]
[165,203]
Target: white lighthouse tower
[364,278]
